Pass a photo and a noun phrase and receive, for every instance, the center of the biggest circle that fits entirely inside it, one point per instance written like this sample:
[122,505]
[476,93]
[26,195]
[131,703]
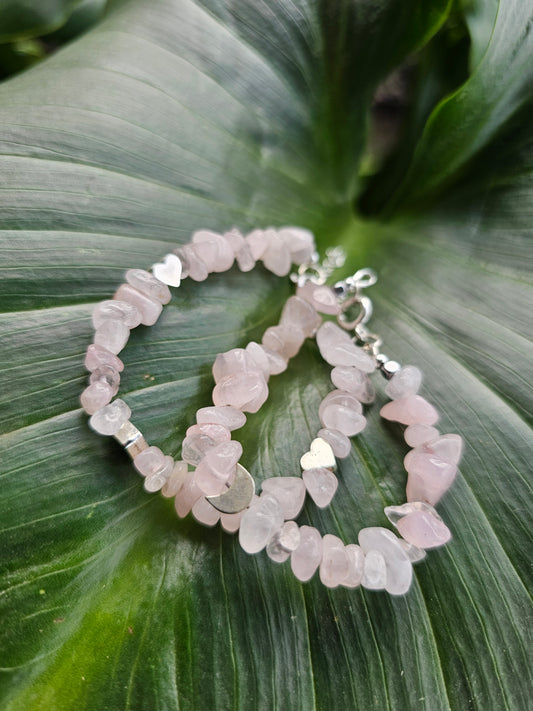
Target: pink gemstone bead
[187,496]
[306,558]
[300,242]
[334,564]
[116,311]
[112,335]
[275,363]
[94,397]
[429,477]
[403,383]
[149,309]
[226,416]
[176,480]
[415,435]
[154,482]
[257,243]
[223,458]
[196,268]
[341,411]
[236,360]
[448,447]
[321,485]
[276,256]
[108,375]
[399,567]
[337,348]
[194,447]
[204,513]
[298,313]
[231,522]
[289,491]
[422,529]
[149,461]
[214,250]
[356,564]
[260,523]
[245,391]
[353,381]
[411,410]
[210,483]
[217,433]
[339,442]
[110,418]
[322,298]
[146,283]
[285,340]
[241,250]
[98,356]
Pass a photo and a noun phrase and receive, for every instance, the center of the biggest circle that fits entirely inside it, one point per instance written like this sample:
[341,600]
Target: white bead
[110,418]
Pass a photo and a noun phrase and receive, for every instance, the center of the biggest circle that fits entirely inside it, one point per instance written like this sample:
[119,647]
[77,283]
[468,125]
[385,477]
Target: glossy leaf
[173,115]
[20,19]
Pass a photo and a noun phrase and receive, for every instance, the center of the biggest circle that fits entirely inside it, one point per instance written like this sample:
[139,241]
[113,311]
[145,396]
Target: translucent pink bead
[176,480]
[276,256]
[154,482]
[149,461]
[149,309]
[214,250]
[116,311]
[259,523]
[112,335]
[285,340]
[321,485]
[306,558]
[341,411]
[298,313]
[424,530]
[223,458]
[98,355]
[411,410]
[226,416]
[110,418]
[147,284]
[210,483]
[334,564]
[217,433]
[187,496]
[245,391]
[322,298]
[339,442]
[231,522]
[337,348]
[429,477]
[399,567]
[289,491]
[403,383]
[286,540]
[415,435]
[257,243]
[356,564]
[374,571]
[268,361]
[353,381]
[194,265]
[94,397]
[204,513]
[195,446]
[300,242]
[241,250]
[236,360]
[106,374]
[448,447]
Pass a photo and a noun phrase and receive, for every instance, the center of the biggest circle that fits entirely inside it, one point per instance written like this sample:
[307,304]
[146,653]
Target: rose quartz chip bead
[341,411]
[146,283]
[112,335]
[322,298]
[306,558]
[286,540]
[245,391]
[419,524]
[337,348]
[289,491]
[339,442]
[176,480]
[259,523]
[410,410]
[334,564]
[432,468]
[241,250]
[284,339]
[415,435]
[226,416]
[98,355]
[214,249]
[321,484]
[114,310]
[193,265]
[404,382]
[149,308]
[300,243]
[398,567]
[356,564]
[298,313]
[110,418]
[355,382]
[187,496]
[94,397]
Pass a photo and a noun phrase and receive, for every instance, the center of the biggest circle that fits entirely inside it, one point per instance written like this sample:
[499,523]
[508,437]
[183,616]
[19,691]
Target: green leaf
[174,115]
[20,19]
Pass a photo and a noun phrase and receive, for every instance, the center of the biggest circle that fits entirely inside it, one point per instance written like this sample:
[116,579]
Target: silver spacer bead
[387,367]
[131,439]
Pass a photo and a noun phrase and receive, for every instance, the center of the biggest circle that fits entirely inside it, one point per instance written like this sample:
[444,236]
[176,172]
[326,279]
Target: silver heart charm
[320,455]
[169,270]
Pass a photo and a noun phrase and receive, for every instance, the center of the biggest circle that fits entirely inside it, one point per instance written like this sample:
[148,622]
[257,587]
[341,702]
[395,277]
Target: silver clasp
[316,271]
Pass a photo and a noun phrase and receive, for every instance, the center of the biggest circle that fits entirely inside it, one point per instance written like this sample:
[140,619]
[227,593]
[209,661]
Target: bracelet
[218,488]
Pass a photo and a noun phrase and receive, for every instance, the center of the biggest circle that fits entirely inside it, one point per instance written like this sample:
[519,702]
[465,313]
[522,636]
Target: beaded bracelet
[219,488]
